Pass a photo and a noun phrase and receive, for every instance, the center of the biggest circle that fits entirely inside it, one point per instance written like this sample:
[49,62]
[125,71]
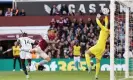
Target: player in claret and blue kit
[40,50]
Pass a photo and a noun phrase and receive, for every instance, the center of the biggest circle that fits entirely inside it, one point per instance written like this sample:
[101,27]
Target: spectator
[83,41]
[81,12]
[1,13]
[15,11]
[66,49]
[54,10]
[75,21]
[53,24]
[81,23]
[22,13]
[8,12]
[106,55]
[71,13]
[67,22]
[61,23]
[90,22]
[64,10]
[1,51]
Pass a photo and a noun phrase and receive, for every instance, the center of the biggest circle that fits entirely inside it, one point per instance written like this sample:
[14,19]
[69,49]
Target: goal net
[122,46]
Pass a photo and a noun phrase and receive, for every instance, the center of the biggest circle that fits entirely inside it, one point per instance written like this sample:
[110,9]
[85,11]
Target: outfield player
[98,49]
[40,50]
[76,53]
[25,45]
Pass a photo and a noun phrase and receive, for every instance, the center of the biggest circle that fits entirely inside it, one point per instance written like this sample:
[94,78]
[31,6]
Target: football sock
[29,62]
[87,57]
[97,68]
[24,69]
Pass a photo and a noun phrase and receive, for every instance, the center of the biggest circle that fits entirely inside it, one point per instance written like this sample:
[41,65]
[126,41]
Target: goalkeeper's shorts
[98,51]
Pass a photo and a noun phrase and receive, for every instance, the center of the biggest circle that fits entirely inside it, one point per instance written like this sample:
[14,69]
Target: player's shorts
[77,59]
[40,52]
[98,51]
[25,55]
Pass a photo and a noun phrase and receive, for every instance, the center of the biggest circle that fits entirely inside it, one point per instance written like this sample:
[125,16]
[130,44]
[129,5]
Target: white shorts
[40,52]
[25,55]
[77,59]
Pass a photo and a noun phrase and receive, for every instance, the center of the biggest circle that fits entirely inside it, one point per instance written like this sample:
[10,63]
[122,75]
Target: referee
[16,51]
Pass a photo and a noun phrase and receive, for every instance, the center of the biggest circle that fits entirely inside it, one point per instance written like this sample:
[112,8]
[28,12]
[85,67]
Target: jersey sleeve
[100,24]
[31,40]
[106,21]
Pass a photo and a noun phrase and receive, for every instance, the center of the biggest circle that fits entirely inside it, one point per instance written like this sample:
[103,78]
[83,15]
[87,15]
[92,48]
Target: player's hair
[24,34]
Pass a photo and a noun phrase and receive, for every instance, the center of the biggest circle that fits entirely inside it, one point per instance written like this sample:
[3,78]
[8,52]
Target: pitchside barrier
[62,65]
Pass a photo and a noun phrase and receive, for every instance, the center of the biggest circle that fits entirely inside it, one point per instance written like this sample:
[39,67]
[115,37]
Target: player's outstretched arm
[7,51]
[106,21]
[98,21]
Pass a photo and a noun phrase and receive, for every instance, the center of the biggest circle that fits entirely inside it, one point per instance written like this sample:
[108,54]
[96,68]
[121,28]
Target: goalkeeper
[98,49]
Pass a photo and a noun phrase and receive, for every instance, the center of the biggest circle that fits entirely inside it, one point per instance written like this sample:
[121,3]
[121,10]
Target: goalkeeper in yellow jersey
[98,49]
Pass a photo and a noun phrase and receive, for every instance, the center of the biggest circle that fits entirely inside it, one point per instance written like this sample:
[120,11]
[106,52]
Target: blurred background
[67,21]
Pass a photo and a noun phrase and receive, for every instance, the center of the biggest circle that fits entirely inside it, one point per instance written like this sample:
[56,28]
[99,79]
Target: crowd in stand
[86,33]
[12,12]
[70,31]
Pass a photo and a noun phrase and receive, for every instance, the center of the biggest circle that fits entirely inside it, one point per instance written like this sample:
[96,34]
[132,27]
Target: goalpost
[127,73]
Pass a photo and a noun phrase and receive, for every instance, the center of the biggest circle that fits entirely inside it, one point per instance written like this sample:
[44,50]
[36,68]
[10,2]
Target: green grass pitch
[75,75]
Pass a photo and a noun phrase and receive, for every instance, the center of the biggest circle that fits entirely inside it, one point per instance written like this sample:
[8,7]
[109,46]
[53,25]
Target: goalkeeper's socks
[27,76]
[89,69]
[96,77]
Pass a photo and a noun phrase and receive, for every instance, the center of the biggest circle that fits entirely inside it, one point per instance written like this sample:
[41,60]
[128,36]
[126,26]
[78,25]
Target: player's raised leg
[45,60]
[42,54]
[45,57]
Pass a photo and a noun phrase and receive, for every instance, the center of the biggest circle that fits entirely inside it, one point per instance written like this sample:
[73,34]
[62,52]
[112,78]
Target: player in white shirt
[25,45]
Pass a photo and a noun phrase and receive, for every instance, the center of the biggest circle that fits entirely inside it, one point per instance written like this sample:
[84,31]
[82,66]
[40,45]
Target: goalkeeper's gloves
[98,16]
